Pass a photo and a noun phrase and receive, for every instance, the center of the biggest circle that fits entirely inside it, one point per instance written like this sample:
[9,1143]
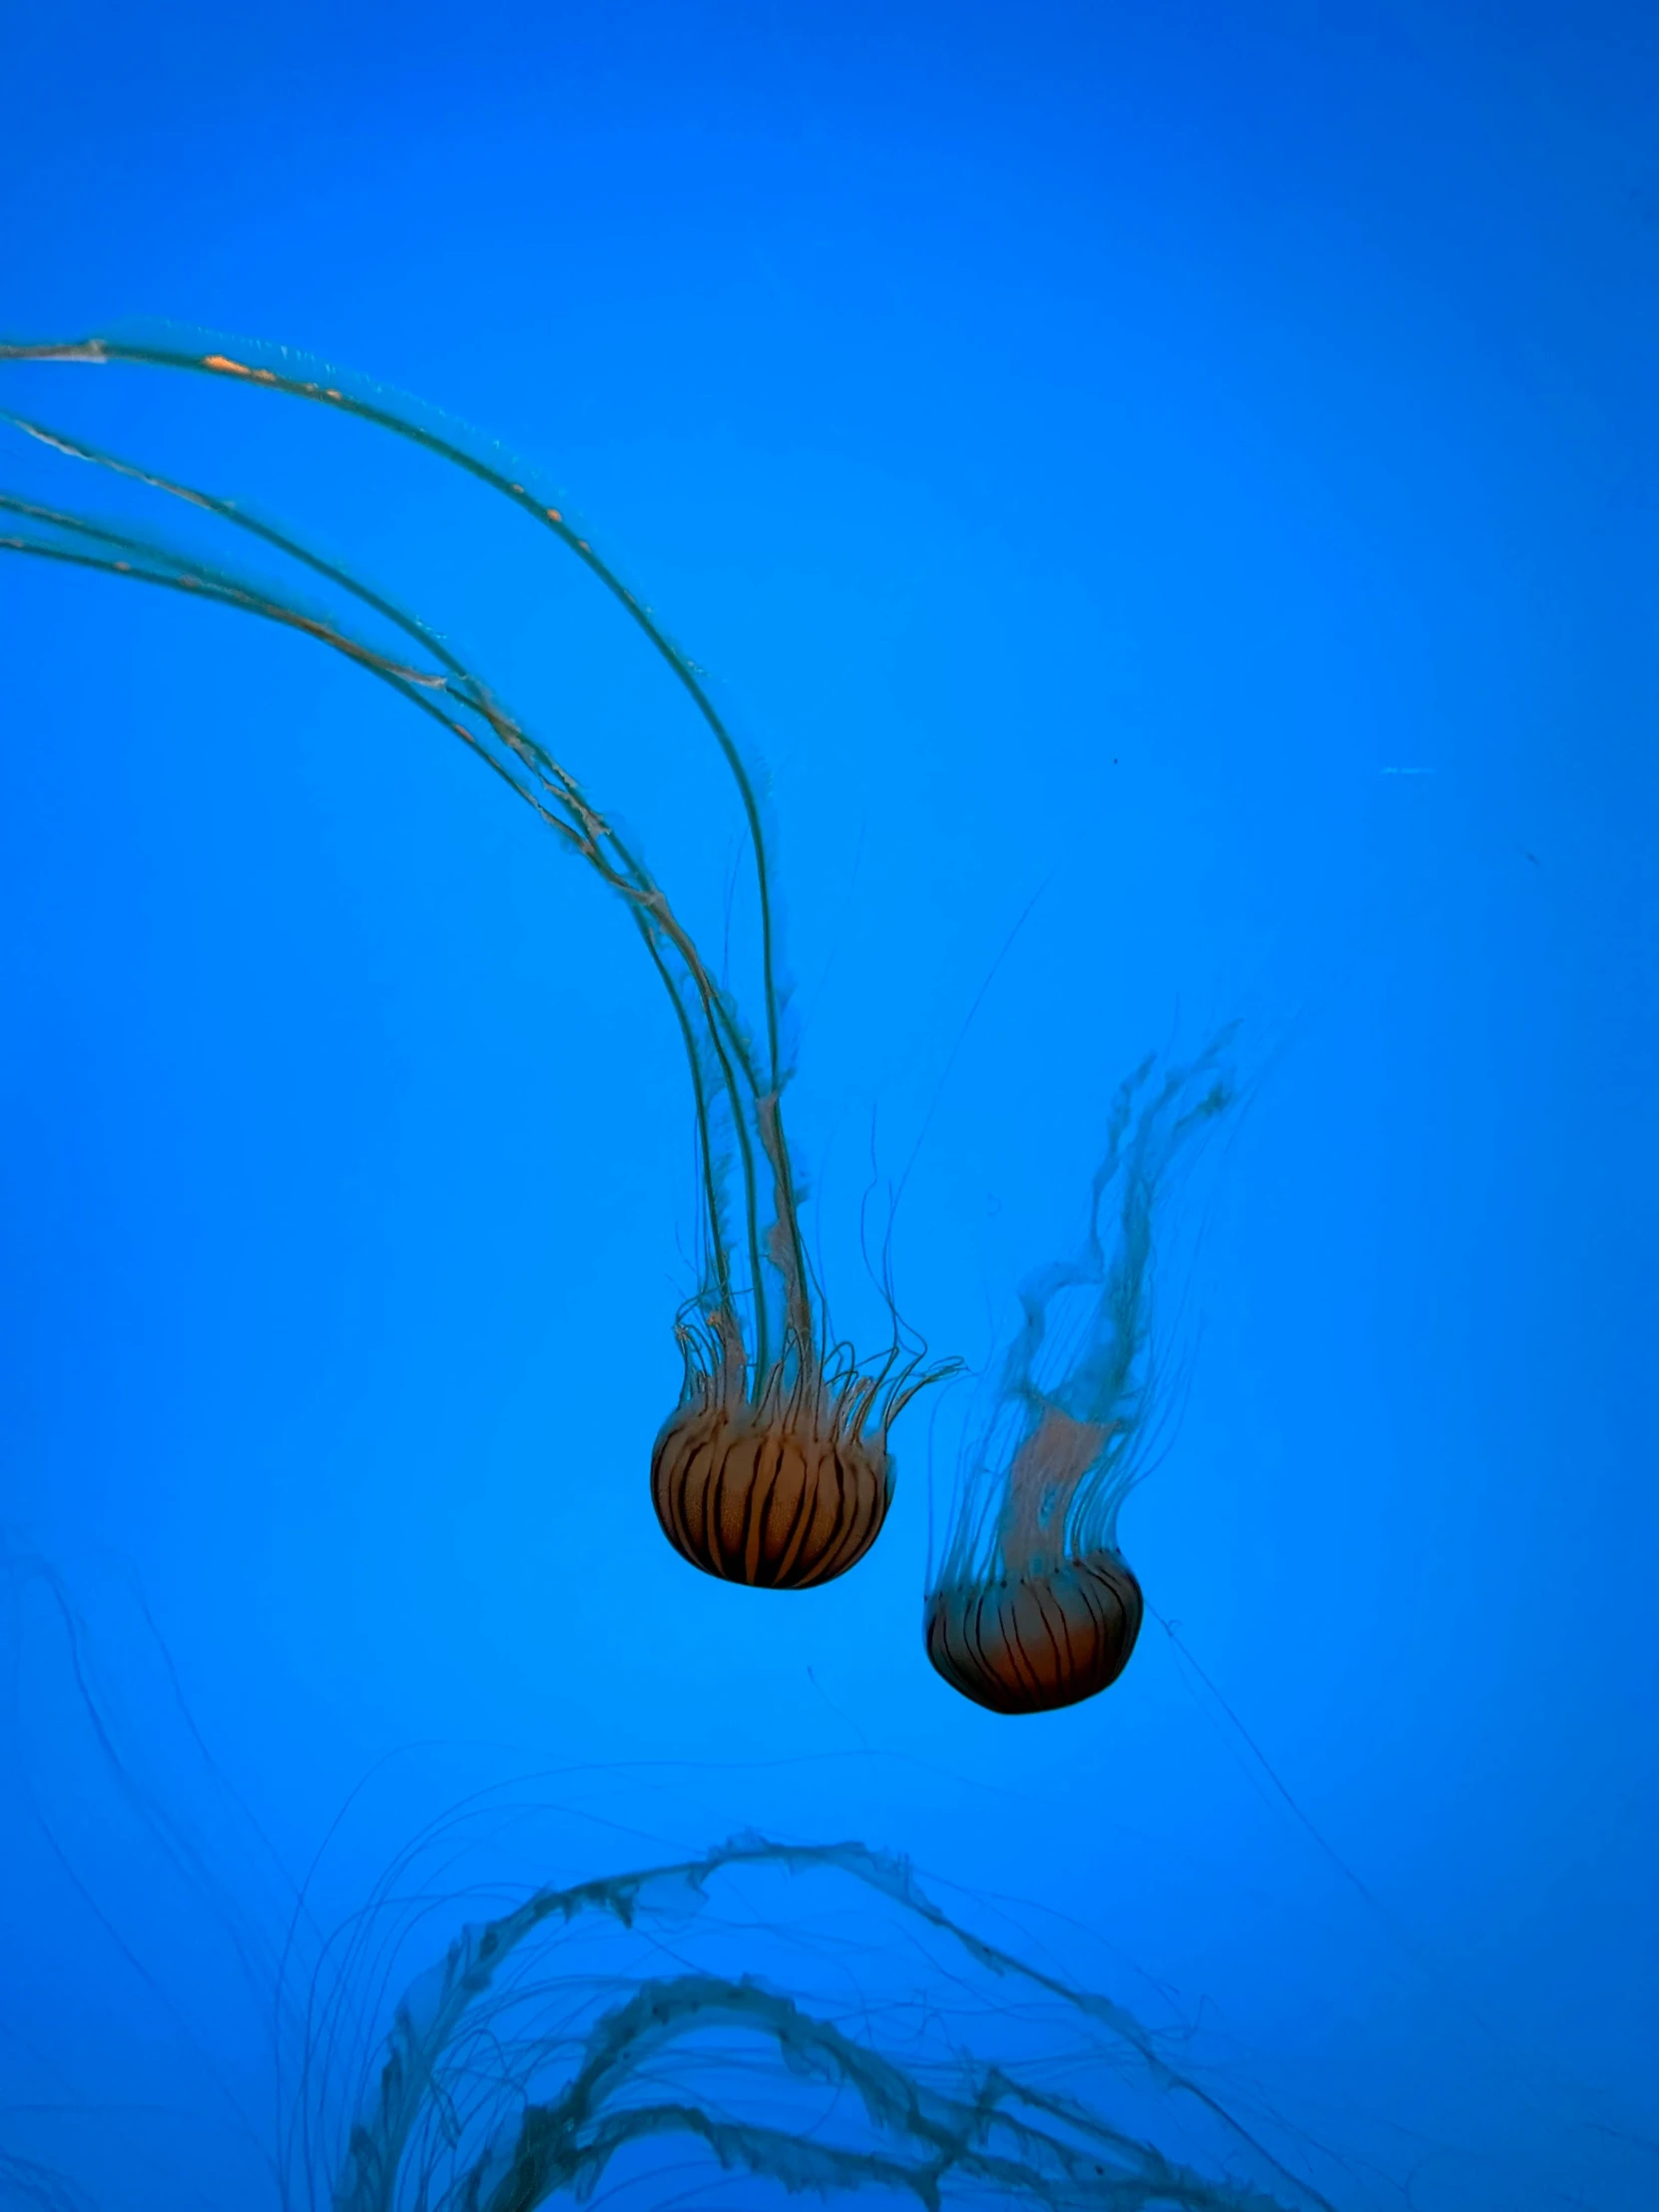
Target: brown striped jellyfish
[1033,1605]
[773,1467]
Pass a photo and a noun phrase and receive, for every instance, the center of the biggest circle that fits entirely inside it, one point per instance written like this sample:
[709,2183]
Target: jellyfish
[773,1467]
[526,2063]
[477,2020]
[1034,1606]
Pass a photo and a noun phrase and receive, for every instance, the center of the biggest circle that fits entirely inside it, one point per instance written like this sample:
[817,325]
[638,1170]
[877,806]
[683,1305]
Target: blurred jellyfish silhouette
[524,2067]
[1033,1605]
[762,2020]
[775,1467]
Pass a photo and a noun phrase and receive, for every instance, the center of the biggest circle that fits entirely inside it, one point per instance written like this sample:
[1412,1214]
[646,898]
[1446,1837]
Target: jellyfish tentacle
[587,832]
[788,1256]
[383,413]
[238,517]
[508,730]
[152,564]
[380,408]
[610,2081]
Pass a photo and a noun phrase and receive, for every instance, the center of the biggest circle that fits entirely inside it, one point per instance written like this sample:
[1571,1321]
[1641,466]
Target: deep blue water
[1167,497]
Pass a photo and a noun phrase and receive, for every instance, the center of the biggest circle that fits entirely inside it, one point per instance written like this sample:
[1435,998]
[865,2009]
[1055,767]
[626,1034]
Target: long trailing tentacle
[548,790]
[388,412]
[461,2002]
[476,692]
[783,1247]
[479,697]
[718,1049]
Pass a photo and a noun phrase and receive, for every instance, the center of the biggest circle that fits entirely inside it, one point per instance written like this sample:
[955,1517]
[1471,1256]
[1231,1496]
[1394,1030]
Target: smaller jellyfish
[1033,1606]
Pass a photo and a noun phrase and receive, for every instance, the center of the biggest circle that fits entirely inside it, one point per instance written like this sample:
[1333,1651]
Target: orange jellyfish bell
[1033,1643]
[786,1485]
[765,1498]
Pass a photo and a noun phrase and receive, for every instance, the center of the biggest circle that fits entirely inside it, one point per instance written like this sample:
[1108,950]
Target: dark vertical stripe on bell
[745,1562]
[843,1533]
[865,1477]
[836,1530]
[795,1532]
[800,1523]
[714,1501]
[701,1473]
[1050,1611]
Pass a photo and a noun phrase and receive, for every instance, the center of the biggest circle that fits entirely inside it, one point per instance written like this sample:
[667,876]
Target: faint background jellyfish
[1033,1605]
[452,2030]
[643,2032]
[773,1469]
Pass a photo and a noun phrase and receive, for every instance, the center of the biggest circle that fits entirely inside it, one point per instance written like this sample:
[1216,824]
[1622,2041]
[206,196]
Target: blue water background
[1180,476]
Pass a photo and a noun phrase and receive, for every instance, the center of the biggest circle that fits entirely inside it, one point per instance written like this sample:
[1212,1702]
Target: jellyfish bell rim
[982,1658]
